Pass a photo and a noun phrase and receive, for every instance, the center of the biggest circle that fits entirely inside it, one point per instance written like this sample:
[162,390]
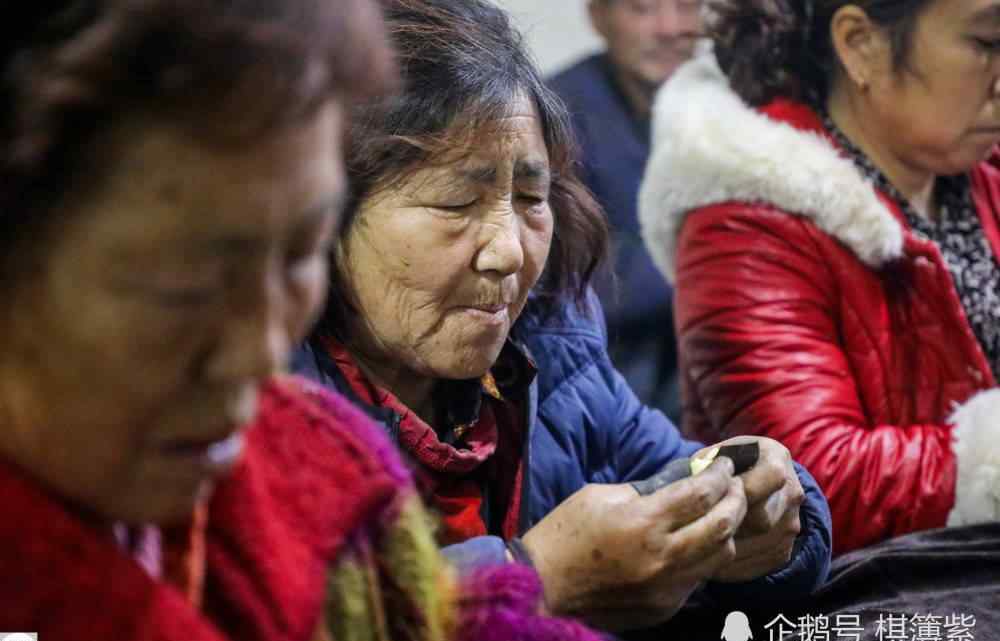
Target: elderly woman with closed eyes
[461,319]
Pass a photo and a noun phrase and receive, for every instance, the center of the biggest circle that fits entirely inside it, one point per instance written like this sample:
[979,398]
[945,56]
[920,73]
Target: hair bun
[42,20]
[763,46]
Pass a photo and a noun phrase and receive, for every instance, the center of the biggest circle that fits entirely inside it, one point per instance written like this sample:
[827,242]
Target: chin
[164,510]
[965,159]
[471,362]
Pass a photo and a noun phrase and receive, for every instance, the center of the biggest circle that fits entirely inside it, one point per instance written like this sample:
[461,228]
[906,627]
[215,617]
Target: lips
[490,309]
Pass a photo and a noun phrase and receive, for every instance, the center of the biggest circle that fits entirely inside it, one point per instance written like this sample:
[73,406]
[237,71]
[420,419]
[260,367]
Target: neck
[638,94]
[915,184]
[413,391]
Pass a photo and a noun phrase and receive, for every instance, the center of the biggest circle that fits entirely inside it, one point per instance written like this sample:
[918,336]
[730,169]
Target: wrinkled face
[648,39]
[943,116]
[165,296]
[442,262]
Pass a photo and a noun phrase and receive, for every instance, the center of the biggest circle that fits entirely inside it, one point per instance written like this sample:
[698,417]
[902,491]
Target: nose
[674,19]
[255,342]
[500,248]
[667,19]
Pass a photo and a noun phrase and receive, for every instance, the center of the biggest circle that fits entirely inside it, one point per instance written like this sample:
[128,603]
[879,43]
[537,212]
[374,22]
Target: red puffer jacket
[806,311]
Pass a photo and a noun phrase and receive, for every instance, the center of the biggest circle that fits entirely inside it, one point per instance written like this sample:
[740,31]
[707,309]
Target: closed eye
[186,298]
[987,45]
[455,207]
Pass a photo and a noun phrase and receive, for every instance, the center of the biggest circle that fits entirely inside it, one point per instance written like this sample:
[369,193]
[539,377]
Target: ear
[862,47]
[598,11]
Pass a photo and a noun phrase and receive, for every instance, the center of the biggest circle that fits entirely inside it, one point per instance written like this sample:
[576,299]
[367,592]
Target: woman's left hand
[766,538]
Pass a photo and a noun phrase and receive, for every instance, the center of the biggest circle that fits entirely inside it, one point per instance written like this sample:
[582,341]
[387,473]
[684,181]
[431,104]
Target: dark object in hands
[743,455]
[674,471]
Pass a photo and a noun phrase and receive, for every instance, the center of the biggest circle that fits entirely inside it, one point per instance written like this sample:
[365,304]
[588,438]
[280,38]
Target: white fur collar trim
[709,147]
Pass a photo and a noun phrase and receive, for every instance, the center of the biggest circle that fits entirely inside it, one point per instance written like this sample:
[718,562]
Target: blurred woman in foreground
[170,181]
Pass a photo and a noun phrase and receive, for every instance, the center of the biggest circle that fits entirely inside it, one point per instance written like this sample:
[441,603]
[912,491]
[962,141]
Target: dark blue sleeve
[807,569]
[645,439]
[648,441]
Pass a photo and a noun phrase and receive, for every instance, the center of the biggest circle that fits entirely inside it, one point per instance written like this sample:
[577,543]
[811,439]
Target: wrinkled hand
[774,495]
[623,561]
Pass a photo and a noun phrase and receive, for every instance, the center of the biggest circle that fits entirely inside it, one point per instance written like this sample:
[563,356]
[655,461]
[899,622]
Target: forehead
[979,13]
[159,178]
[518,132]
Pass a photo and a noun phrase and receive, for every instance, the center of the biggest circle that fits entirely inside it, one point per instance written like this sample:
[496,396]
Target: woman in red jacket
[823,194]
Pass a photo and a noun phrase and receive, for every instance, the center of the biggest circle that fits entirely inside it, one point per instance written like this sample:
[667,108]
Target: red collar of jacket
[482,449]
[308,479]
[470,418]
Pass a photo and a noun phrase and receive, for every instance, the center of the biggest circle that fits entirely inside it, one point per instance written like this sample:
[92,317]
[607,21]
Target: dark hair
[71,68]
[772,48]
[462,66]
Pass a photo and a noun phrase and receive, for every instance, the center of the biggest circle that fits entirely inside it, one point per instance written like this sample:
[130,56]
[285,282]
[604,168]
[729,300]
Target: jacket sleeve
[806,570]
[475,553]
[644,438]
[648,441]
[760,350]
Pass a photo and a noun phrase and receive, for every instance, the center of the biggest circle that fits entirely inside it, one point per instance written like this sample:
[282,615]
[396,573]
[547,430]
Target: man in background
[610,96]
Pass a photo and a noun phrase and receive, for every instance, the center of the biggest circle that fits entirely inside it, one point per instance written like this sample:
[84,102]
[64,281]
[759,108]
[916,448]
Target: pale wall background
[558,31]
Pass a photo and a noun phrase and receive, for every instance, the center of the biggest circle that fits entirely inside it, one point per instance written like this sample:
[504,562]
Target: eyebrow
[989,14]
[530,169]
[237,244]
[245,244]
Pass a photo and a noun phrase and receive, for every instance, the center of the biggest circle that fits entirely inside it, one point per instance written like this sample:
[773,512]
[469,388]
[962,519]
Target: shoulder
[318,464]
[293,406]
[563,319]
[579,75]
[751,225]
[565,340]
[779,156]
[589,94]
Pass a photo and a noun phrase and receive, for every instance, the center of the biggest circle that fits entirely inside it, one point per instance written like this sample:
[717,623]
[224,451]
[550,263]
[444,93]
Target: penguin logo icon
[737,627]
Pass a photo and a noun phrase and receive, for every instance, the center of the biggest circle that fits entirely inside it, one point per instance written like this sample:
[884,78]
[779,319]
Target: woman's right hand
[622,561]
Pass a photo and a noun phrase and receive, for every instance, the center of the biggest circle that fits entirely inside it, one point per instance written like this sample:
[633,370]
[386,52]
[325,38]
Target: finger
[690,499]
[765,554]
[764,516]
[786,530]
[674,471]
[706,568]
[770,473]
[766,560]
[706,536]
